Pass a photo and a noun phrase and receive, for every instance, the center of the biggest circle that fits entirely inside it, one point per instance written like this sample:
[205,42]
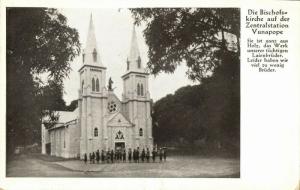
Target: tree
[39,44]
[177,115]
[198,37]
[201,39]
[73,105]
[208,112]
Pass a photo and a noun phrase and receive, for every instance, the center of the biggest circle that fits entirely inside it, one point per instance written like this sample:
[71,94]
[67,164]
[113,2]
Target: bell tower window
[142,90]
[95,55]
[139,62]
[93,84]
[97,85]
[138,89]
[127,64]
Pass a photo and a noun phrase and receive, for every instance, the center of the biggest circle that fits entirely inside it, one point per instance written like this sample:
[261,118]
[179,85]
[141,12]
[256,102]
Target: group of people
[120,155]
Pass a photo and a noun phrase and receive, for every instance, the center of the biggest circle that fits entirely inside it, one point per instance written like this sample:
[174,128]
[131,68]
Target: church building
[102,120]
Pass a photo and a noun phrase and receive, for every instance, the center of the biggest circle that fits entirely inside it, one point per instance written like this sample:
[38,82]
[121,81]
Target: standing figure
[120,154]
[153,155]
[85,158]
[116,155]
[108,156]
[90,157]
[102,156]
[160,154]
[143,155]
[165,154]
[112,156]
[124,155]
[129,154]
[93,157]
[110,82]
[148,155]
[134,155]
[138,154]
[98,156]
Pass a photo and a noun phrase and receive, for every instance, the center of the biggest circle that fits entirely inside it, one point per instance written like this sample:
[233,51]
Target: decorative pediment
[118,120]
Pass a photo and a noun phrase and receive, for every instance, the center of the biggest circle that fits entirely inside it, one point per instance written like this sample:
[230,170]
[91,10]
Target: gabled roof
[63,117]
[66,116]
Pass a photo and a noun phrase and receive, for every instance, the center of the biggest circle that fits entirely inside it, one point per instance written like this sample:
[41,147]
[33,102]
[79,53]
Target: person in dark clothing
[153,155]
[112,156]
[120,155]
[116,155]
[93,157]
[85,158]
[143,155]
[108,156]
[98,156]
[134,155]
[90,157]
[129,154]
[165,154]
[138,154]
[124,155]
[160,154]
[102,156]
[147,154]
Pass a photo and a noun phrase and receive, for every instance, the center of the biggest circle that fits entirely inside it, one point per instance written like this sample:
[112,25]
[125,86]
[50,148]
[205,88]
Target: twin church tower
[105,121]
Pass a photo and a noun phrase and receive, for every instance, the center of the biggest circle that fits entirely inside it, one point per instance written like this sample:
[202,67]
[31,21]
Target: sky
[113,28]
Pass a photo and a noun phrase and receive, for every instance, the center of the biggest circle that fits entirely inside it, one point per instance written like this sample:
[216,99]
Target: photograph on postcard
[127,92]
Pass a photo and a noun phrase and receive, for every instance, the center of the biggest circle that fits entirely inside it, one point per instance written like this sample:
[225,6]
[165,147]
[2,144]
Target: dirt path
[179,166]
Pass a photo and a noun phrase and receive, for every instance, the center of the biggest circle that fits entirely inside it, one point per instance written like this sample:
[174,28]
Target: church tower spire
[134,62]
[135,78]
[92,94]
[136,96]
[91,54]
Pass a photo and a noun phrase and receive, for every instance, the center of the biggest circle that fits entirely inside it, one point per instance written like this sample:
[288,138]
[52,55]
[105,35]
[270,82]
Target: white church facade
[102,121]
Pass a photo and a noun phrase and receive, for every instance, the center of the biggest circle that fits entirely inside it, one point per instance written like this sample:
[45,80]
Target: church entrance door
[119,145]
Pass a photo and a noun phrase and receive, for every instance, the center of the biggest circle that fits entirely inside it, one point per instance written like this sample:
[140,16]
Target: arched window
[141,132]
[95,55]
[93,84]
[83,55]
[97,85]
[82,85]
[142,90]
[96,132]
[138,89]
[139,62]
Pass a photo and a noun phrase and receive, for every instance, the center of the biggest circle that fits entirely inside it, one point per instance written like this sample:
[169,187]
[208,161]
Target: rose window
[112,107]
